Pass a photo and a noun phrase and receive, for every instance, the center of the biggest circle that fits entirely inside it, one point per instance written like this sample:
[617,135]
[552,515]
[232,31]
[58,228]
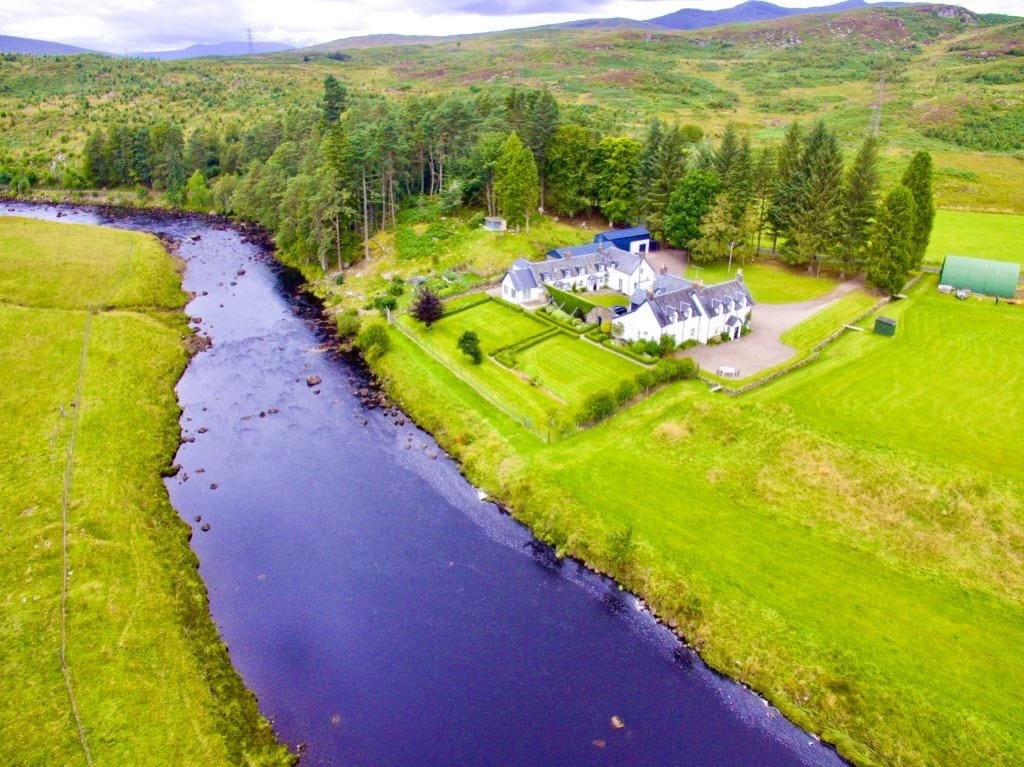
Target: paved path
[762,348]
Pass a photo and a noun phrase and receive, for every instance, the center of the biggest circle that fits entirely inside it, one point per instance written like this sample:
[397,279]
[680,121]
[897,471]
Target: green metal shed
[885,326]
[981,275]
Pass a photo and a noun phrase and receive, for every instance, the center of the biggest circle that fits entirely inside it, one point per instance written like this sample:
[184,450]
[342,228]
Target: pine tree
[542,122]
[891,251]
[815,227]
[334,101]
[764,180]
[728,152]
[918,179]
[787,184]
[652,142]
[570,176]
[860,201]
[667,170]
[516,184]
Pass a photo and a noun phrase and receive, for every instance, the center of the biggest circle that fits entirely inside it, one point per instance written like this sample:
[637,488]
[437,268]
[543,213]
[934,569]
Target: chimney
[699,284]
[739,275]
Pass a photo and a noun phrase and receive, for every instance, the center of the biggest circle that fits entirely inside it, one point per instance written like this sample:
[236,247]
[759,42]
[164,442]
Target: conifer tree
[860,201]
[918,179]
[815,227]
[516,184]
[891,251]
[688,205]
[787,184]
[618,163]
[667,170]
[763,185]
[334,101]
[542,122]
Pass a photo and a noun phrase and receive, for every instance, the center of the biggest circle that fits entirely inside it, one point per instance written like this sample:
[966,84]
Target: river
[383,613]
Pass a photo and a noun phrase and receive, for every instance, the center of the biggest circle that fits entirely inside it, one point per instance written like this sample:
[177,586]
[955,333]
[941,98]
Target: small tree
[427,308]
[374,340]
[469,344]
[197,193]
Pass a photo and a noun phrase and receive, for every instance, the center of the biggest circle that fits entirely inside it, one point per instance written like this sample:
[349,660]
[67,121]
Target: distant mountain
[613,23]
[38,47]
[753,10]
[379,41]
[214,49]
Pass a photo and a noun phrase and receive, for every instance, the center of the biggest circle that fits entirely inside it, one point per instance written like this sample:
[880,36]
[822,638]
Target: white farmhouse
[688,312]
[582,267]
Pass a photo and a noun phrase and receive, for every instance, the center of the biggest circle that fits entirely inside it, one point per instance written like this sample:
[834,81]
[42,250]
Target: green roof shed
[981,275]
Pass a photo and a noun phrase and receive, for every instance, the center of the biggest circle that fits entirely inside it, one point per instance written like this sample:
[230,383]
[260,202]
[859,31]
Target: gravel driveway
[762,348]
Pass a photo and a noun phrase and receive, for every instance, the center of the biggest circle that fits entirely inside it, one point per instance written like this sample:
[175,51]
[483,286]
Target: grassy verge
[152,680]
[864,575]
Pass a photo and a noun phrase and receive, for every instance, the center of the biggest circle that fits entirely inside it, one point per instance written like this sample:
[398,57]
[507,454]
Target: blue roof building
[634,240]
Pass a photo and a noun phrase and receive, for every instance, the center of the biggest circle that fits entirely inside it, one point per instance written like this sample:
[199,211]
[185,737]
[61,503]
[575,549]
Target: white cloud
[118,25]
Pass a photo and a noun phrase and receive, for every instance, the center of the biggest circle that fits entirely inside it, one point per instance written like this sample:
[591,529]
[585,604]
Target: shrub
[339,278]
[646,347]
[383,303]
[724,336]
[469,344]
[666,345]
[397,287]
[689,343]
[348,324]
[374,340]
[597,407]
[625,392]
[606,328]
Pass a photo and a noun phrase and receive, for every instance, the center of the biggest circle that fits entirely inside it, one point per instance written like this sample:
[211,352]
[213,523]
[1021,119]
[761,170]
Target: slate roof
[621,234]
[693,301]
[522,278]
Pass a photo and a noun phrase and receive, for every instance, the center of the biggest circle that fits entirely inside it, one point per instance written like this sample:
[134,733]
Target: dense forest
[326,180]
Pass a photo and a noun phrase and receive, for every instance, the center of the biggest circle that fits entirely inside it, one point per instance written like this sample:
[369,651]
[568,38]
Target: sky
[136,25]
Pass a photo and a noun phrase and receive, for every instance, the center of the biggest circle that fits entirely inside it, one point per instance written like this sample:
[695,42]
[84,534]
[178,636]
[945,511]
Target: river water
[383,613]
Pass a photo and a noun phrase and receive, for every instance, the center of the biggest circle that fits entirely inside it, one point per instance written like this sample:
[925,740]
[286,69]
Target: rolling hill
[28,46]
[241,48]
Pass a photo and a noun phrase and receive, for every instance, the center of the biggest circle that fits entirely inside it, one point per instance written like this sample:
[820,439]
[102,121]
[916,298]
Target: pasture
[999,236]
[152,681]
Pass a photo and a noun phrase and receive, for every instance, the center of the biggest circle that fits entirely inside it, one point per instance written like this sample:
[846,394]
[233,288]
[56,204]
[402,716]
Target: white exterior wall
[640,246]
[509,292]
[640,324]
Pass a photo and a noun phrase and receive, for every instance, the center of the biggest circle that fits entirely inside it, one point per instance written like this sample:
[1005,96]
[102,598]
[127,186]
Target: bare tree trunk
[337,237]
[366,220]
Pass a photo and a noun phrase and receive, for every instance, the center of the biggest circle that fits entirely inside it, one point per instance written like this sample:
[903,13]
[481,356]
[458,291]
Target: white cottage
[691,312]
[583,267]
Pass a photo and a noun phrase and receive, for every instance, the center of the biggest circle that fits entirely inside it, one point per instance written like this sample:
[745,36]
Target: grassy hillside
[847,540]
[952,86]
[152,681]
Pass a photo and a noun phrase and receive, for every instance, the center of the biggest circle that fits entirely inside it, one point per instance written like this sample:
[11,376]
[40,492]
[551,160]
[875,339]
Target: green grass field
[998,236]
[768,281]
[847,540]
[549,380]
[938,388]
[815,329]
[573,368]
[152,680]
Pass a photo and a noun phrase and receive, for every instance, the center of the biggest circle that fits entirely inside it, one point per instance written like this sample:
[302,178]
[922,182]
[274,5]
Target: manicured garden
[152,681]
[539,372]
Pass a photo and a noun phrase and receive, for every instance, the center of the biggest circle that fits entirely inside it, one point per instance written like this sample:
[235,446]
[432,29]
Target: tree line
[326,181]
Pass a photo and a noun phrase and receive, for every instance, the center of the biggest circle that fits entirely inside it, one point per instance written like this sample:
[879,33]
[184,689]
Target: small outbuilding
[885,326]
[634,240]
[981,275]
[495,224]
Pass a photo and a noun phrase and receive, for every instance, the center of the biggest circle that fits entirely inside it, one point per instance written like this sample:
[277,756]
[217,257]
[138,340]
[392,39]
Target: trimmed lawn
[497,326]
[812,331]
[949,385]
[768,281]
[999,236]
[152,680]
[574,368]
[605,299]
